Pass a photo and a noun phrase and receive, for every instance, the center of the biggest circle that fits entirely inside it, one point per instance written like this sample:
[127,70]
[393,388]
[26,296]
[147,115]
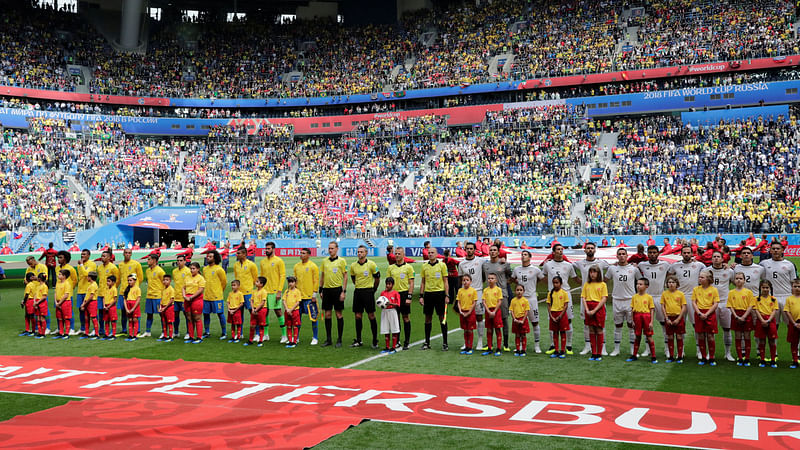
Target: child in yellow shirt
[520,326]
[291,305]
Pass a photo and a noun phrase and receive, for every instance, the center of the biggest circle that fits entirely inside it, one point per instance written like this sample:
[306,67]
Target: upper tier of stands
[547,39]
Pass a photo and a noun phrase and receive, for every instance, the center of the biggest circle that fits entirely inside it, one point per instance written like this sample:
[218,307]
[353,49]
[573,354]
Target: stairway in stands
[23,246]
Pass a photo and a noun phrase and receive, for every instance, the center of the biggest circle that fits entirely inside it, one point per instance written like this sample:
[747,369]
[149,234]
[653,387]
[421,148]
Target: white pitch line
[380,355]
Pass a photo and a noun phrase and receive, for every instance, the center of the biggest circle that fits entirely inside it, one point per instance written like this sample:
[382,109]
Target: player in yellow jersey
[105,270]
[291,305]
[216,280]
[791,312]
[126,267]
[85,265]
[333,286]
[155,287]
[165,307]
[307,274]
[246,272]
[274,270]
[179,276]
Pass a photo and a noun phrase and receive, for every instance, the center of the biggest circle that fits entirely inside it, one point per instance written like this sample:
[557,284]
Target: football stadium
[383,224]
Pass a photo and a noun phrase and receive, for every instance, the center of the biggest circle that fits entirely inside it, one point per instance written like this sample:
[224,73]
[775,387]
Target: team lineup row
[198,292]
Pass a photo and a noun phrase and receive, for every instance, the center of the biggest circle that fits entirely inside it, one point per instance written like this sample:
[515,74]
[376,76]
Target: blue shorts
[100,303]
[178,307]
[247,303]
[121,303]
[213,307]
[151,305]
[309,308]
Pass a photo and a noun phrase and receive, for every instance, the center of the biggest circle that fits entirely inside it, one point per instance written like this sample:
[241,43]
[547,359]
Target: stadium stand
[250,60]
[734,177]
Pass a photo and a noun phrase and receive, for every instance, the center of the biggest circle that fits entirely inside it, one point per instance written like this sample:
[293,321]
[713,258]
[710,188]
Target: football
[381,302]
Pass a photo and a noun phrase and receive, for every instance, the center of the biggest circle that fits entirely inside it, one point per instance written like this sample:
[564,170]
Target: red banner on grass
[180,403]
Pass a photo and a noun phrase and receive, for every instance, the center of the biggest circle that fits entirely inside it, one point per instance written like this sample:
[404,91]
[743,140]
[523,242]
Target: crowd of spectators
[516,175]
[738,177]
[256,59]
[347,184]
[123,177]
[229,180]
[33,192]
[680,32]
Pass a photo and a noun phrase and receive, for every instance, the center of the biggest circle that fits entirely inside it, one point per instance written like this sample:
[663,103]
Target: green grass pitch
[728,380]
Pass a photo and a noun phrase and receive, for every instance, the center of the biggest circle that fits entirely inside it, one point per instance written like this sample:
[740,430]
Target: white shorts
[622,312]
[390,322]
[781,304]
[480,309]
[533,313]
[690,310]
[724,315]
[658,310]
[570,312]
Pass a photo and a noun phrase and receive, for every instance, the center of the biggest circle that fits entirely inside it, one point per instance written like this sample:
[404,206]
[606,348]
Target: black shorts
[434,301]
[364,300]
[331,299]
[404,309]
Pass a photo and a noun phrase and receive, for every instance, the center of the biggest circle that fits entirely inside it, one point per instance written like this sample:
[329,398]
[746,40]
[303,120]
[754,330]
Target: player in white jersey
[780,272]
[688,273]
[721,278]
[624,276]
[753,273]
[582,267]
[557,267]
[473,266]
[656,273]
[527,275]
